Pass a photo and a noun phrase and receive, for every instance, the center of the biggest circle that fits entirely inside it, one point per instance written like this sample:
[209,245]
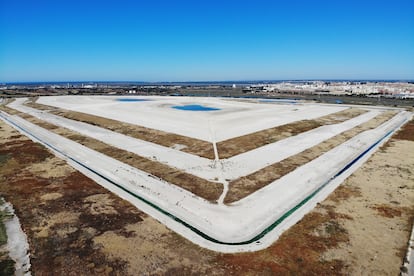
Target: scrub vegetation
[206,189]
[254,140]
[246,185]
[191,145]
[238,188]
[74,226]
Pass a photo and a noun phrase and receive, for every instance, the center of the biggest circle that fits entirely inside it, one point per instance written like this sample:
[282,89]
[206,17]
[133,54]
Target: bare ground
[206,189]
[383,210]
[226,149]
[243,186]
[75,227]
[190,145]
[254,140]
[247,185]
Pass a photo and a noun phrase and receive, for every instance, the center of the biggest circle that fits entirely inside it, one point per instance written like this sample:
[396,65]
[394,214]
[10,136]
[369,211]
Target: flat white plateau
[235,118]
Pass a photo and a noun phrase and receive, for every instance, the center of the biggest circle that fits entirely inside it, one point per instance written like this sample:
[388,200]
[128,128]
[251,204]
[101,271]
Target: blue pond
[131,100]
[195,107]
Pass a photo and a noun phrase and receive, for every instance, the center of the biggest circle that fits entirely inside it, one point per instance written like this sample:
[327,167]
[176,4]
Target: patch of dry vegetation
[192,145]
[261,138]
[206,189]
[226,149]
[243,186]
[388,211]
[59,226]
[343,235]
[298,250]
[344,192]
[382,208]
[8,110]
[406,133]
[246,185]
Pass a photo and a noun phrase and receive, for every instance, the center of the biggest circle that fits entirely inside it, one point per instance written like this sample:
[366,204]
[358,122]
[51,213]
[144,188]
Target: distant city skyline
[179,41]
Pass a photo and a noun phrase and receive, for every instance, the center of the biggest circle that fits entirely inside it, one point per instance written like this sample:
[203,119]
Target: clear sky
[132,40]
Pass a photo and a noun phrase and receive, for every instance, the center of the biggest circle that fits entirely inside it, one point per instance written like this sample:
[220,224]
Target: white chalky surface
[234,223]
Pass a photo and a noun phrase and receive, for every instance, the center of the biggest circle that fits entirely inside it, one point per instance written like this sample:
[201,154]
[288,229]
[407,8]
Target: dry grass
[254,140]
[382,208]
[406,133]
[388,211]
[344,192]
[60,229]
[206,189]
[8,110]
[246,185]
[298,251]
[226,148]
[192,145]
[343,235]
[238,188]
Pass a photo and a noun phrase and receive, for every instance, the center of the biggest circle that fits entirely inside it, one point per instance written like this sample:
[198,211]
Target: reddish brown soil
[298,250]
[57,254]
[407,133]
[388,211]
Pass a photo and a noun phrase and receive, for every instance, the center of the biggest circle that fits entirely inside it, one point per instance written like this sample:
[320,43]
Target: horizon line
[210,81]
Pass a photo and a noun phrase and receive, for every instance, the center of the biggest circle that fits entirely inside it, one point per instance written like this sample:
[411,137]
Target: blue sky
[128,40]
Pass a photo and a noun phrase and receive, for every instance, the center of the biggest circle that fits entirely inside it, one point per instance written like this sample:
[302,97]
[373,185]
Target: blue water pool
[195,107]
[131,100]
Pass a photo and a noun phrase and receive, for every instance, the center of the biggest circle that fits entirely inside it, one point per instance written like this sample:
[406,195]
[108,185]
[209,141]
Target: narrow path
[218,165]
[225,184]
[213,140]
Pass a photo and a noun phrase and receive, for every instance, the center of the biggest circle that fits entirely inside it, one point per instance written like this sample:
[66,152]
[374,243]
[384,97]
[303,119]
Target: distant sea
[189,83]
